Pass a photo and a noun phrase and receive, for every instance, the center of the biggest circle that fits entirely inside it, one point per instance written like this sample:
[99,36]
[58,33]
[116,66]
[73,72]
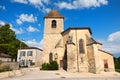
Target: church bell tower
[53,26]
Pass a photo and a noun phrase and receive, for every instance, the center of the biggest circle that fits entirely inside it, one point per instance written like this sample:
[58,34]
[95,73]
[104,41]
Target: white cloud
[66,5]
[46,1]
[32,29]
[2,23]
[26,18]
[17,31]
[36,3]
[114,36]
[34,43]
[39,4]
[2,7]
[112,44]
[21,1]
[79,4]
[47,10]
[42,5]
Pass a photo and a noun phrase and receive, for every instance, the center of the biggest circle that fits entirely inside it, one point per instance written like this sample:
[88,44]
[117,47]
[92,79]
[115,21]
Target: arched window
[50,57]
[54,24]
[81,46]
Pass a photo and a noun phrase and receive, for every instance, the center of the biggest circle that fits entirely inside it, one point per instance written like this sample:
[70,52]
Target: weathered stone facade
[74,49]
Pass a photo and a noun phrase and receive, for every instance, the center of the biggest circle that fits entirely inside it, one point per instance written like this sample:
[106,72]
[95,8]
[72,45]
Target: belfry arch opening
[54,24]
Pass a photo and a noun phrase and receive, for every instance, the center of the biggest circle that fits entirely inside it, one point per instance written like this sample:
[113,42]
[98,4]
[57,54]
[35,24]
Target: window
[22,53]
[54,24]
[81,46]
[70,39]
[29,53]
[50,57]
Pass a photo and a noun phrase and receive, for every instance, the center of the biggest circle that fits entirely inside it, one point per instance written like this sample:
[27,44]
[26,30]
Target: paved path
[36,74]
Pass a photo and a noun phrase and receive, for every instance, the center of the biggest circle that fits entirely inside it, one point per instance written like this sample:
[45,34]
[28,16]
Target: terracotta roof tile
[53,14]
[5,55]
[77,28]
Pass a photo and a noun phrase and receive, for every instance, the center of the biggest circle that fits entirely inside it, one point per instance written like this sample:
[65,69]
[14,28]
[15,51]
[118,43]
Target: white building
[30,56]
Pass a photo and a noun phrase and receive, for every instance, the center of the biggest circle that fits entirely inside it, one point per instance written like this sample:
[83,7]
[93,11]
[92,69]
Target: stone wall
[13,65]
[91,60]
[110,60]
[72,64]
[11,73]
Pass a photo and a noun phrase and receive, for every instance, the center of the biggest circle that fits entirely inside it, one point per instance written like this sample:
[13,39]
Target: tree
[8,41]
[117,62]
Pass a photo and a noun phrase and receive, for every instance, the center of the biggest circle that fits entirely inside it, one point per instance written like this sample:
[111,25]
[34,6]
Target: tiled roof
[4,55]
[92,41]
[105,52]
[53,14]
[77,28]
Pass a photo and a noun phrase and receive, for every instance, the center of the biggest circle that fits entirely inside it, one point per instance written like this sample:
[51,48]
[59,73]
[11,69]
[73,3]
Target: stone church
[74,49]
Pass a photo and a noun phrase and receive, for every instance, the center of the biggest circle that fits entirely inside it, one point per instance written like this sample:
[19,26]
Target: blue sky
[102,16]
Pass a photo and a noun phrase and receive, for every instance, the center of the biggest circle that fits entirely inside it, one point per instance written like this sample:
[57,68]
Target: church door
[105,65]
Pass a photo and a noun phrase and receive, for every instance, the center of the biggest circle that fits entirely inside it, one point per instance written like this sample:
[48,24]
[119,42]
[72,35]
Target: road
[36,74]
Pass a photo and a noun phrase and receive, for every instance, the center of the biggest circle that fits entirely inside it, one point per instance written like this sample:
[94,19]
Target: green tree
[117,62]
[8,41]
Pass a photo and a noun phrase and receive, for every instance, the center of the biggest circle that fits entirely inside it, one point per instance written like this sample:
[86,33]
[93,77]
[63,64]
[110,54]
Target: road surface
[36,74]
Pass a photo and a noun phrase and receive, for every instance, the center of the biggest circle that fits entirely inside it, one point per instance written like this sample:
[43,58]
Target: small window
[22,53]
[29,53]
[54,24]
[70,39]
[81,46]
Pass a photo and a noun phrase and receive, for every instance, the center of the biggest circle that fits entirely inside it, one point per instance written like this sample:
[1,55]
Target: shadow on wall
[65,60]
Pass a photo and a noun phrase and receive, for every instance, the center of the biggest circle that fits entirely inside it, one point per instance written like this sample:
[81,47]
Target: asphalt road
[36,74]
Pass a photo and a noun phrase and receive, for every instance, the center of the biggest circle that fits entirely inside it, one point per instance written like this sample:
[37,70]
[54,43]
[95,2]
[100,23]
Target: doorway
[105,65]
[50,57]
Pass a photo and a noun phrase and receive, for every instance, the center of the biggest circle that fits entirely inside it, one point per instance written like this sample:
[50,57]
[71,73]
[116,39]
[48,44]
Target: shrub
[5,68]
[45,66]
[53,65]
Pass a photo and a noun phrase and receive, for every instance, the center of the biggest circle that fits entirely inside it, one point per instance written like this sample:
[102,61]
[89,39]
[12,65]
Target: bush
[53,65]
[45,66]
[50,66]
[5,68]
